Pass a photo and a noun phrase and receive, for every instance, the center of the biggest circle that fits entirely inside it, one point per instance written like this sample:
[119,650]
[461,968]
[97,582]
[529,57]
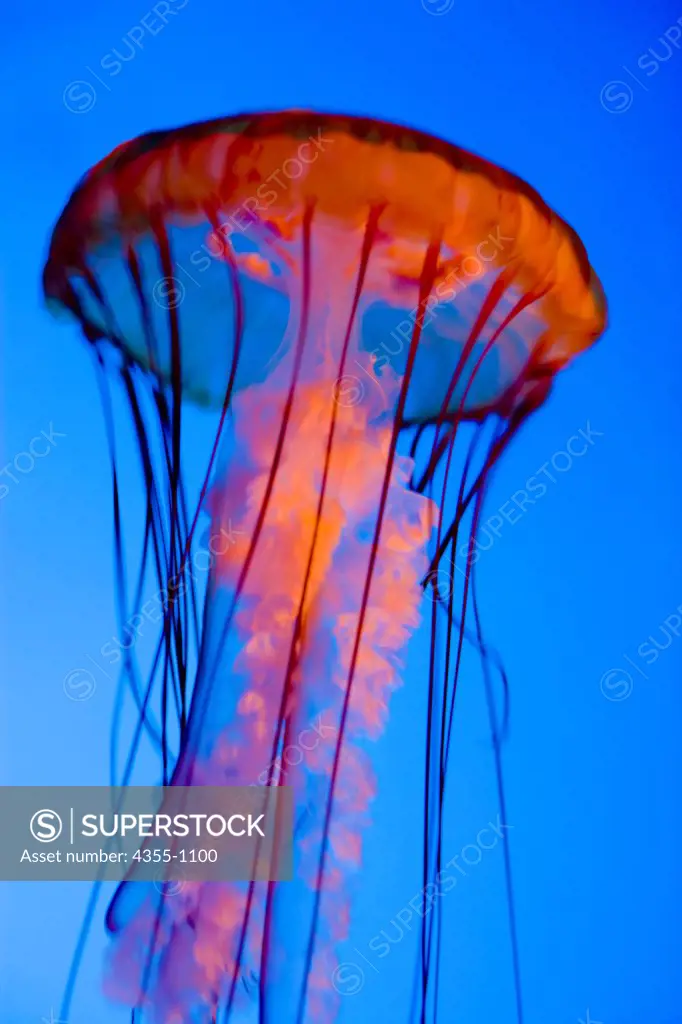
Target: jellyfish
[369,313]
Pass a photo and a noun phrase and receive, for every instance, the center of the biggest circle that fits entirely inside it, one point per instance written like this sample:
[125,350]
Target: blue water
[576,587]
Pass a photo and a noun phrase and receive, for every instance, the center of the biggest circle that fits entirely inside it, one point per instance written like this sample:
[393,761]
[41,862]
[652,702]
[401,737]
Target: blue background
[568,593]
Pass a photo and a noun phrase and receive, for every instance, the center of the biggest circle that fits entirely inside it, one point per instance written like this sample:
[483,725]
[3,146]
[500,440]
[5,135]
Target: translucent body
[385,279]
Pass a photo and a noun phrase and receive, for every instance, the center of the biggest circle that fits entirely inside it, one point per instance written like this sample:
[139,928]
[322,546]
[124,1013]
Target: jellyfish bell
[325,283]
[209,221]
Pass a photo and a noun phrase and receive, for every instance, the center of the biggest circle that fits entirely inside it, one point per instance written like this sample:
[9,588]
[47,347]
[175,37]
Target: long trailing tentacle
[170,550]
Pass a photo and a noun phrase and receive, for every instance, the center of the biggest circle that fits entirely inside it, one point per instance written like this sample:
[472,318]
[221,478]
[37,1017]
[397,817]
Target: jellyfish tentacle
[370,233]
[426,283]
[483,352]
[496,292]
